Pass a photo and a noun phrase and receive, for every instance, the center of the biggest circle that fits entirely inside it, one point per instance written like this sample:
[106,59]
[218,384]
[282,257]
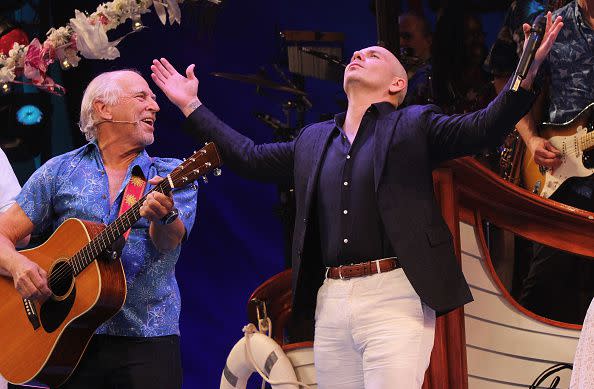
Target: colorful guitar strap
[133,192]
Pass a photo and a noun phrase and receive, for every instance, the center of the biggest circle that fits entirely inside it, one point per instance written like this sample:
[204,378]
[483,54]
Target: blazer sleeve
[271,162]
[457,135]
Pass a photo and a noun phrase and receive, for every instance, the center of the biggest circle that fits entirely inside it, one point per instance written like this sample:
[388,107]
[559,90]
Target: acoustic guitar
[44,342]
[575,140]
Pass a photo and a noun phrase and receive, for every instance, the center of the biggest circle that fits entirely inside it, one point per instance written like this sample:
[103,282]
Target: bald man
[373,260]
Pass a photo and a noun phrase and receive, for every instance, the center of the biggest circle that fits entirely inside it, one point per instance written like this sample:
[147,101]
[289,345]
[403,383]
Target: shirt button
[345,211]
[346,240]
[104,196]
[348,157]
[346,183]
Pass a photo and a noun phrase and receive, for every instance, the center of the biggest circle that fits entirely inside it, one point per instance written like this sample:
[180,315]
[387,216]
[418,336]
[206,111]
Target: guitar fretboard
[105,239]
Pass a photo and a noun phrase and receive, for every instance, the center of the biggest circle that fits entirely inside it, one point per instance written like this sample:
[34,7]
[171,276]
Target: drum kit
[295,107]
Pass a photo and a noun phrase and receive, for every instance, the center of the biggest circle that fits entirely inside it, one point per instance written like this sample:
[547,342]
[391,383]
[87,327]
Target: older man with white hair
[139,346]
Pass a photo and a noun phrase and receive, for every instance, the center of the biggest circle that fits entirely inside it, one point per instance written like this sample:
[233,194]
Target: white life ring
[268,358]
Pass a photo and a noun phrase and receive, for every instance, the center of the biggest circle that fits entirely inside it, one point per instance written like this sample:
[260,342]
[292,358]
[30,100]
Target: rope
[248,331]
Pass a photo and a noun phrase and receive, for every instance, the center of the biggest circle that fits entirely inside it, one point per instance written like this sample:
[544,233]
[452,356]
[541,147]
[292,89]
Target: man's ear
[102,110]
[397,85]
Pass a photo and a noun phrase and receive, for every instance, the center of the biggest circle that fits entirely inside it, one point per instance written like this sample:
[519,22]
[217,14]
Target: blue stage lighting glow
[29,115]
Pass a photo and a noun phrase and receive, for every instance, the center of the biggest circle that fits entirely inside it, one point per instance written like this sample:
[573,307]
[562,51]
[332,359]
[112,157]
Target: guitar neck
[587,141]
[106,238]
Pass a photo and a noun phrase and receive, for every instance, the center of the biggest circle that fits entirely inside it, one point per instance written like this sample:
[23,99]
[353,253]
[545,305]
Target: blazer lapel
[384,130]
[318,152]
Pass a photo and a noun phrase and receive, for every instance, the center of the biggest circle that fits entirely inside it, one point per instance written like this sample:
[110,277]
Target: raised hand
[550,35]
[181,91]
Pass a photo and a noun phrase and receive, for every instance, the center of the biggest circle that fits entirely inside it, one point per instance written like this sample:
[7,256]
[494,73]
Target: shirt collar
[142,160]
[378,110]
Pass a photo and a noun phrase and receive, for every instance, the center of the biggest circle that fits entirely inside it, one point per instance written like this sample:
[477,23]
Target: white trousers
[372,332]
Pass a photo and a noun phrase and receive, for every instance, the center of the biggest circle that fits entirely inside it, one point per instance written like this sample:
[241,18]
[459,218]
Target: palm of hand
[178,88]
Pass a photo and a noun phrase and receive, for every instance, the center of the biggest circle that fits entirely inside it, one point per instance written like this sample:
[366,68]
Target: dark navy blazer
[409,143]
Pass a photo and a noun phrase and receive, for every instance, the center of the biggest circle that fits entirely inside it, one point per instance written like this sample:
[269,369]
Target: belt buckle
[340,272]
[377,265]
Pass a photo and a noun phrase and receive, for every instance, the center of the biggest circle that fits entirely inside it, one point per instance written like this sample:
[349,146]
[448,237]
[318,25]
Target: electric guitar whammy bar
[575,140]
[44,342]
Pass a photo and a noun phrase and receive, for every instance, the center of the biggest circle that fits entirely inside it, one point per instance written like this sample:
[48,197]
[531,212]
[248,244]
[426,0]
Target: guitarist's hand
[157,205]
[181,91]
[545,154]
[30,280]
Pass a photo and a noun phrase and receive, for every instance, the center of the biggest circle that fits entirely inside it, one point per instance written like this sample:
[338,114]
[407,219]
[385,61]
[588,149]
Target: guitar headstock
[198,165]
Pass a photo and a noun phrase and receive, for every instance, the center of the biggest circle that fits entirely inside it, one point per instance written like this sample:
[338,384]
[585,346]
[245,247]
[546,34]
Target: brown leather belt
[362,269]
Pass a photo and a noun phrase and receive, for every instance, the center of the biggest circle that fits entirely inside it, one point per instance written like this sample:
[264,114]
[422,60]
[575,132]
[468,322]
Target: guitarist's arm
[29,279]
[543,152]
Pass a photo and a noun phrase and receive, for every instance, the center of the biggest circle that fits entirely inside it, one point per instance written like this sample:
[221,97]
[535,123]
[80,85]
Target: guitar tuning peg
[217,172]
[205,179]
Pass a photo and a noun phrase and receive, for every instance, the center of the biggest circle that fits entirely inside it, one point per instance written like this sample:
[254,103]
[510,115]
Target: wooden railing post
[448,368]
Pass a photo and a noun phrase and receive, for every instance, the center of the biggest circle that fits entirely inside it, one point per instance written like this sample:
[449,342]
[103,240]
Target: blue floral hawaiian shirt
[571,66]
[74,185]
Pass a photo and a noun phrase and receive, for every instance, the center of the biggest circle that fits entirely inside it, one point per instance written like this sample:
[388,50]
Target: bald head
[375,69]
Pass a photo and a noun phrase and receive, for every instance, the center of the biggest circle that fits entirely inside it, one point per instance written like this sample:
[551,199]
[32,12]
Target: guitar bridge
[31,313]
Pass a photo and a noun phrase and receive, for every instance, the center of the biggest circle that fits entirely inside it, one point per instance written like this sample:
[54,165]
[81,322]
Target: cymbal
[259,81]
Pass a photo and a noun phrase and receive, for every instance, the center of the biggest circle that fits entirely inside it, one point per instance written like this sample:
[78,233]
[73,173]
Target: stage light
[25,132]
[137,23]
[5,88]
[29,115]
[64,64]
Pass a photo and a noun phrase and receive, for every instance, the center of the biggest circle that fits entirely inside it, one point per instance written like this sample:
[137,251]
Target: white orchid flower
[91,40]
[164,7]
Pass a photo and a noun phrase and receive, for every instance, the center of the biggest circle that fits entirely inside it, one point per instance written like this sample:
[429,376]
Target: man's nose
[358,55]
[153,106]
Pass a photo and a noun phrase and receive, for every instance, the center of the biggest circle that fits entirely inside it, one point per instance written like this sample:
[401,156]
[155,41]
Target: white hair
[105,88]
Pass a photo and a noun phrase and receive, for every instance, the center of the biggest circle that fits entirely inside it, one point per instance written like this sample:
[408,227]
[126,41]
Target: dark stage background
[237,241]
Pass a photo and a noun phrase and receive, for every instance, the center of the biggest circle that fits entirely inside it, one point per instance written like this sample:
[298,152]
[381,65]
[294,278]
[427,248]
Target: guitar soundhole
[61,279]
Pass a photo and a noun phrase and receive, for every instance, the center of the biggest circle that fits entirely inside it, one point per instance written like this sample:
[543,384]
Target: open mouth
[149,121]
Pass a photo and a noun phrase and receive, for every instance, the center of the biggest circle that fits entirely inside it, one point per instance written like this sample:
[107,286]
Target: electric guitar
[44,342]
[575,140]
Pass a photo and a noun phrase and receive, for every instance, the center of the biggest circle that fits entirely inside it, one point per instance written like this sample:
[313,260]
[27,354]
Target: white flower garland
[84,36]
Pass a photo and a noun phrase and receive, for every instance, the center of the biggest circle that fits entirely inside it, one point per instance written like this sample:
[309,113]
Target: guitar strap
[133,192]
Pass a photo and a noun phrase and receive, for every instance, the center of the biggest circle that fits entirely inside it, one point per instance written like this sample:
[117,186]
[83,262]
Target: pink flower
[102,18]
[37,59]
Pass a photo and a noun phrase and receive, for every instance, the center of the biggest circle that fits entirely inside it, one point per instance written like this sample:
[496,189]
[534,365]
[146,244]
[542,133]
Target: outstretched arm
[270,162]
[452,136]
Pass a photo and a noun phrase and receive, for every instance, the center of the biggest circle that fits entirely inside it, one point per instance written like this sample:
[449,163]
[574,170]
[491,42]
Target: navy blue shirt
[351,229]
